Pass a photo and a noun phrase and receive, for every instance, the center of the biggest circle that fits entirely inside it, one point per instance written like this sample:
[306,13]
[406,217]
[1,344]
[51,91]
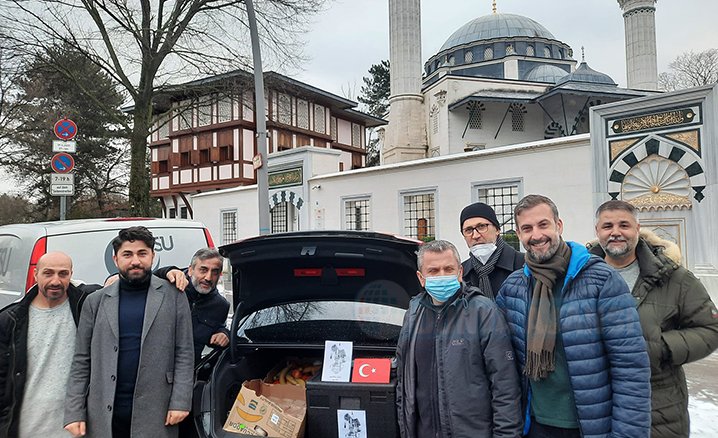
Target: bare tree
[143,44]
[690,69]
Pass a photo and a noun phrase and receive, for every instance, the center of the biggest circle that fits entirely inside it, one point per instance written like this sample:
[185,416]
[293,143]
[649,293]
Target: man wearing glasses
[491,260]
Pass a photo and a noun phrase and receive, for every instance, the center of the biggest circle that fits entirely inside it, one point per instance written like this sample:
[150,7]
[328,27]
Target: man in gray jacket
[132,372]
[456,374]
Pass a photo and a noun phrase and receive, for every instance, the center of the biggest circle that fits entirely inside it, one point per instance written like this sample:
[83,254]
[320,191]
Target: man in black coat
[209,308]
[491,260]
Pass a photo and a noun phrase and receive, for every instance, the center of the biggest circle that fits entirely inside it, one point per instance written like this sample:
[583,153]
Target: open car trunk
[293,292]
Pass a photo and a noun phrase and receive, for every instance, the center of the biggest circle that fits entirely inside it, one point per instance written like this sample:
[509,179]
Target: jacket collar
[579,259]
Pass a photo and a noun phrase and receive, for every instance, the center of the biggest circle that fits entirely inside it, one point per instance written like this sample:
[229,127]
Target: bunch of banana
[296,374]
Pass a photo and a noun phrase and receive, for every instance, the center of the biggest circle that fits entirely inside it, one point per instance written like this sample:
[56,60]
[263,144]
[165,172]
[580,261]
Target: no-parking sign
[62,162]
[65,129]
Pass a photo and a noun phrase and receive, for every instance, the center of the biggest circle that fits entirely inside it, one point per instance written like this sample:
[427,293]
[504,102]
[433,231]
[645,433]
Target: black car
[293,292]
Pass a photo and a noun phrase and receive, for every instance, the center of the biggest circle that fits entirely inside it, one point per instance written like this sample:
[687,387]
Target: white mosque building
[500,111]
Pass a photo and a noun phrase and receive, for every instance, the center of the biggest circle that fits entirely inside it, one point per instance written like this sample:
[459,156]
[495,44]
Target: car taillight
[210,242]
[308,272]
[350,272]
[38,251]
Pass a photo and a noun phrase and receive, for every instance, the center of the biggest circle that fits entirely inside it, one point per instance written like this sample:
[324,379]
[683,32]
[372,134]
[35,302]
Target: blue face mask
[442,287]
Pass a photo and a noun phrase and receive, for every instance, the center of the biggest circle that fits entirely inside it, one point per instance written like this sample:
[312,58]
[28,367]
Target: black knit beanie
[479,209]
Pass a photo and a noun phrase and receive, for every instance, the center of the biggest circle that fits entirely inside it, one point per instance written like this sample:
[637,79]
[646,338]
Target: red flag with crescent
[371,370]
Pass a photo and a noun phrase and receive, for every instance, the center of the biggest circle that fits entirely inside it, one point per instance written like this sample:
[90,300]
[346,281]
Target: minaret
[405,137]
[641,63]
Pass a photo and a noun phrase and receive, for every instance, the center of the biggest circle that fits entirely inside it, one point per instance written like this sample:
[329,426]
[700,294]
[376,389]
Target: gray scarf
[483,270]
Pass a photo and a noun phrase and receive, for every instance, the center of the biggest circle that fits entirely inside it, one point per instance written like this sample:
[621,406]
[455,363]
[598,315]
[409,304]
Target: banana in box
[264,409]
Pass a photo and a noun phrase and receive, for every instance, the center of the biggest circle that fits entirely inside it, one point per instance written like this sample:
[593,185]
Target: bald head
[52,274]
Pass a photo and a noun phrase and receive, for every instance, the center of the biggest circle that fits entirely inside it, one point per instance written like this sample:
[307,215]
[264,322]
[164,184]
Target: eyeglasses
[481,228]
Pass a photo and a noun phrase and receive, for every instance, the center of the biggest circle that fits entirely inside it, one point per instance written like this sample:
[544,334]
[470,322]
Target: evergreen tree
[59,83]
[375,95]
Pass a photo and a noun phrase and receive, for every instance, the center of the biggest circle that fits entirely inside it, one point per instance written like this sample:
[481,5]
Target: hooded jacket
[680,324]
[13,352]
[605,351]
[478,385]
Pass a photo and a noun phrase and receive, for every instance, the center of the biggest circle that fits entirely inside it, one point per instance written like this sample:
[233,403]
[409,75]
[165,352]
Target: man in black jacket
[37,338]
[456,374]
[209,308]
[491,260]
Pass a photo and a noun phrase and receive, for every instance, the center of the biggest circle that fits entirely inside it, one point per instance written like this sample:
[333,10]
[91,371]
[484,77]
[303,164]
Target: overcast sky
[351,35]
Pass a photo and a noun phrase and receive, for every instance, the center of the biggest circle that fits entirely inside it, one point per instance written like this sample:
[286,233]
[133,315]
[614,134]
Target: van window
[14,261]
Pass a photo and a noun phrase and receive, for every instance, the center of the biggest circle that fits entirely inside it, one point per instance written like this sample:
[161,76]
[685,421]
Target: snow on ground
[703,402]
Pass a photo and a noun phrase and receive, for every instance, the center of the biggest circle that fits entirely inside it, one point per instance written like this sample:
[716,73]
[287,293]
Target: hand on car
[220,339]
[177,277]
[174,417]
[76,429]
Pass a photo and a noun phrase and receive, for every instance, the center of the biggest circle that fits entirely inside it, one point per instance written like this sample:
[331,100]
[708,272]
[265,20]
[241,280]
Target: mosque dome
[545,73]
[496,26]
[584,73]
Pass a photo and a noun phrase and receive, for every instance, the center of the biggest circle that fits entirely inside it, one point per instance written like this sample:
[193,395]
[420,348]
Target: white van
[88,243]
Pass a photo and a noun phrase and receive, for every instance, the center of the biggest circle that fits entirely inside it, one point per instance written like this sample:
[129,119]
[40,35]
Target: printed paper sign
[371,370]
[337,361]
[352,424]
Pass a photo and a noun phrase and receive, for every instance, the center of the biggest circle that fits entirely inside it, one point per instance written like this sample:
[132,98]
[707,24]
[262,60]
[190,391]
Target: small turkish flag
[371,370]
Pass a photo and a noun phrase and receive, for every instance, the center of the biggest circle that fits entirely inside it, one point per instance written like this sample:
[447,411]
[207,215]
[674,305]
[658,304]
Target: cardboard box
[263,409]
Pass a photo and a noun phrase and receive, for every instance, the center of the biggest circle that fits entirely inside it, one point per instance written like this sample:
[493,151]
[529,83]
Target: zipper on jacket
[435,378]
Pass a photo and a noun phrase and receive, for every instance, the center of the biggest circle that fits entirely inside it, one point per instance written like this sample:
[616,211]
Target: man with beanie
[456,374]
[576,334]
[491,260]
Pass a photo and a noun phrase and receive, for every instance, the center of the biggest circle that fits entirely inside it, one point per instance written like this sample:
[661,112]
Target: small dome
[545,73]
[584,73]
[496,26]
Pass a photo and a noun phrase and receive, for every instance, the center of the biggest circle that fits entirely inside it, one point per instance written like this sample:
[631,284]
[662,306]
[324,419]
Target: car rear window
[315,322]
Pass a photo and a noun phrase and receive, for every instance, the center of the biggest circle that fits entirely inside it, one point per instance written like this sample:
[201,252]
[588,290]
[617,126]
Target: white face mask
[483,251]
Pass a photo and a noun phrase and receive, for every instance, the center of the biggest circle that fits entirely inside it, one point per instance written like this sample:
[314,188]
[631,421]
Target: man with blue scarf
[456,375]
[576,334]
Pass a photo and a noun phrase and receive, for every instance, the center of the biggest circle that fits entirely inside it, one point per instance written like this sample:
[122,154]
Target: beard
[537,257]
[135,278]
[617,252]
[202,288]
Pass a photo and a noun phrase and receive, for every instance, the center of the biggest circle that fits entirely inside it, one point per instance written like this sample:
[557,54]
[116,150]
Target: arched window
[518,112]
[530,51]
[510,50]
[451,60]
[546,52]
[469,57]
[488,53]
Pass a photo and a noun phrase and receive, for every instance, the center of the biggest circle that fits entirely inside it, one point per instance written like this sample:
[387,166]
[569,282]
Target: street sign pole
[63,207]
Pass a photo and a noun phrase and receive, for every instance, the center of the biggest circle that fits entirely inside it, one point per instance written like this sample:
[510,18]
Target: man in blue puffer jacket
[576,334]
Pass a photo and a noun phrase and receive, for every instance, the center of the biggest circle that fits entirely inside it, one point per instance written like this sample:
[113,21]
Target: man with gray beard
[678,318]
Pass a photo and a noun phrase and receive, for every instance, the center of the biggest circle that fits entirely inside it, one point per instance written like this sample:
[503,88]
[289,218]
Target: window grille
[452,60]
[320,119]
[204,112]
[284,109]
[333,128]
[419,216]
[224,110]
[229,226]
[546,52]
[530,51]
[302,114]
[488,53]
[510,50]
[356,214]
[518,112]
[163,130]
[475,118]
[280,218]
[184,116]
[503,199]
[356,135]
[468,57]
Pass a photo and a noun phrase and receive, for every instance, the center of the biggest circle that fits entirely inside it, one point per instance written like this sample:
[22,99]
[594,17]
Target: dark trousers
[538,430]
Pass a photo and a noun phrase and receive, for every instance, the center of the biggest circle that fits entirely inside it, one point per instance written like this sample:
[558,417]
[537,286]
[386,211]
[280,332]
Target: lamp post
[261,122]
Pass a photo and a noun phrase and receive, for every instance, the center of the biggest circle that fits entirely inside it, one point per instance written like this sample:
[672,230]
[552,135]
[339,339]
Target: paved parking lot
[703,389]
